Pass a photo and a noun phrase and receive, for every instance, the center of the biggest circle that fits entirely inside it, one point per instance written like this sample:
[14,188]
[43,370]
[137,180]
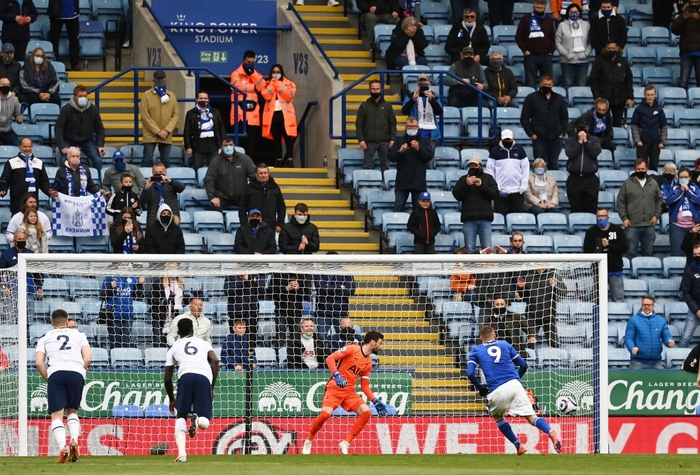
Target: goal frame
[600,412]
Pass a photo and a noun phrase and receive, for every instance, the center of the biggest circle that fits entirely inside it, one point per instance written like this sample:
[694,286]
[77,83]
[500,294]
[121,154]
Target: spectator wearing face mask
[649,128]
[687,27]
[535,38]
[227,176]
[598,123]
[574,45]
[250,83]
[124,198]
[346,335]
[112,176]
[16,18]
[10,68]
[509,166]
[424,104]
[542,194]
[607,25]
[508,325]
[476,191]
[38,79]
[468,31]
[501,82]
[412,155]
[608,238]
[459,94]
[582,152]
[73,178]
[279,120]
[9,110]
[611,78]
[164,236]
[299,235]
[682,198]
[80,125]
[160,115]
[204,131]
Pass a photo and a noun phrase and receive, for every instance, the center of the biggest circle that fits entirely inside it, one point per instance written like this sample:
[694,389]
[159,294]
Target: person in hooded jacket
[299,235]
[80,125]
[164,236]
[424,224]
[645,335]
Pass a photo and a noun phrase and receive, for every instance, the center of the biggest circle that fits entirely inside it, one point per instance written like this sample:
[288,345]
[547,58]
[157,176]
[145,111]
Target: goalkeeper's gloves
[339,380]
[379,406]
[484,391]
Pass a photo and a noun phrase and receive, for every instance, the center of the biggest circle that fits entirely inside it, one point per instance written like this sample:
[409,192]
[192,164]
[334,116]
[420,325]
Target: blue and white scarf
[29,177]
[598,124]
[129,243]
[159,189]
[71,183]
[206,123]
[535,28]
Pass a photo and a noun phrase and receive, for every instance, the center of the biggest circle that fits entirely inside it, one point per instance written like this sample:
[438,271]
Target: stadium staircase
[337,35]
[412,344]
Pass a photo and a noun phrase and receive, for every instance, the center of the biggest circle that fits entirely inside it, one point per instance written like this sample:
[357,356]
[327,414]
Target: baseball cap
[254,211]
[506,134]
[424,196]
[118,155]
[467,49]
[474,159]
[423,77]
[7,47]
[160,74]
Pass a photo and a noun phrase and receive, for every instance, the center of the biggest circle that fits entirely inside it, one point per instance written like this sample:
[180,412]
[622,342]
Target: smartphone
[423,89]
[157,178]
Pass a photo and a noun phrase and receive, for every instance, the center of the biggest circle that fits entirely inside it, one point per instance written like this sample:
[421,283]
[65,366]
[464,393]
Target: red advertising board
[655,435]
[382,435]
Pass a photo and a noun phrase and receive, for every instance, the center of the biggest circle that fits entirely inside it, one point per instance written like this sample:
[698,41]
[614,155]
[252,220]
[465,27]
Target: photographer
[160,187]
[470,71]
[425,105]
[687,26]
[608,238]
[582,152]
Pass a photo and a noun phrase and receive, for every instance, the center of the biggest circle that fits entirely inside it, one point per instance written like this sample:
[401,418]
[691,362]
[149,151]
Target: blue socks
[506,430]
[542,425]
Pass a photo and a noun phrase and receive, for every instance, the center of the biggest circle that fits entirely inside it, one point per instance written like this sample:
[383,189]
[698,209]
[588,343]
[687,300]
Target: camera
[423,89]
[693,8]
[157,178]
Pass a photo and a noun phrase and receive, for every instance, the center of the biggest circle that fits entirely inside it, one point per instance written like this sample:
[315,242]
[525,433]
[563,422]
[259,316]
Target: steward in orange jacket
[279,121]
[248,80]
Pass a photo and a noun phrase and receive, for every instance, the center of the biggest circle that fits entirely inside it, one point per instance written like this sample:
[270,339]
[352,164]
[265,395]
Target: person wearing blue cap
[424,224]
[112,177]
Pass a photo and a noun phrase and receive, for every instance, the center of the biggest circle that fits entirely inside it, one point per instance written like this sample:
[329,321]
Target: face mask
[21,245]
[468,61]
[647,314]
[375,95]
[496,64]
[469,25]
[165,219]
[607,13]
[277,76]
[411,132]
[307,337]
[301,219]
[347,331]
[83,102]
[159,83]
[545,89]
[602,223]
[7,59]
[539,171]
[669,176]
[684,181]
[202,104]
[75,161]
[507,143]
[696,260]
[538,15]
[228,150]
[254,222]
[38,59]
[249,69]
[640,175]
[4,90]
[499,310]
[610,53]
[127,189]
[574,16]
[120,166]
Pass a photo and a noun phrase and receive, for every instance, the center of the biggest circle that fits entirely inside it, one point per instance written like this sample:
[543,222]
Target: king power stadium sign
[277,393]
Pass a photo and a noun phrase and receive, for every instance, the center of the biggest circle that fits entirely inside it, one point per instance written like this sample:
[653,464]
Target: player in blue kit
[503,389]
[198,368]
[62,357]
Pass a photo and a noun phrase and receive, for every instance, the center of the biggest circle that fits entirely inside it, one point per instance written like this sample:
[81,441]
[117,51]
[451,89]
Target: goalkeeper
[346,365]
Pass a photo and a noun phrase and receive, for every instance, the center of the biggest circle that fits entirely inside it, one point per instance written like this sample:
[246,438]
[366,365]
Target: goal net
[429,309]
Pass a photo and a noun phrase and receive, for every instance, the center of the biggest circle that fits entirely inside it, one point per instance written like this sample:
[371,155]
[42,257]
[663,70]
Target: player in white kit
[68,354]
[198,368]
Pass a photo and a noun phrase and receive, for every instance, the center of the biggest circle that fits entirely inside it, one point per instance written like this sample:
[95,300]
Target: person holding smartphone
[424,104]
[160,189]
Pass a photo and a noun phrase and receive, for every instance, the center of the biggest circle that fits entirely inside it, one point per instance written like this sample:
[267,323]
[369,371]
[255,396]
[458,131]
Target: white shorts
[510,396]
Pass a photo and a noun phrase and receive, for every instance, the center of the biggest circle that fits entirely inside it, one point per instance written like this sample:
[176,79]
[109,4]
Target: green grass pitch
[375,464]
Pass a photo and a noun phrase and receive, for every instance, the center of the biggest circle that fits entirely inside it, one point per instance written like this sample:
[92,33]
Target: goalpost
[420,373]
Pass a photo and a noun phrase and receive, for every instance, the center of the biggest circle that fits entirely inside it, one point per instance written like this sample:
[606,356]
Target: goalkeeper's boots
[555,440]
[522,450]
[181,458]
[64,454]
[193,426]
[306,450]
[344,446]
[74,451]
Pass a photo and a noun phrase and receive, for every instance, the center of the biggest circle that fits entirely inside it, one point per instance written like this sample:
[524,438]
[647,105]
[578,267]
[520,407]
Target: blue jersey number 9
[495,352]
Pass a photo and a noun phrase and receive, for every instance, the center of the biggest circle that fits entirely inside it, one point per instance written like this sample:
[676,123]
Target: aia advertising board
[382,435]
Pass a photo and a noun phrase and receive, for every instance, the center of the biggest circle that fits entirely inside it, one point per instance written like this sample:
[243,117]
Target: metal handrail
[314,41]
[302,132]
[383,73]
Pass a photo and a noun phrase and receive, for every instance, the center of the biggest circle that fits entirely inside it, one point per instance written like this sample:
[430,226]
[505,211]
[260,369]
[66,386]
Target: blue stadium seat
[673,266]
[535,244]
[646,266]
[657,75]
[674,357]
[185,175]
[507,116]
[521,222]
[503,34]
[566,243]
[127,410]
[612,178]
[126,359]
[440,33]
[618,358]
[655,35]
[580,222]
[664,288]
[669,95]
[639,55]
[220,243]
[639,14]
[678,138]
[549,358]
[580,96]
[667,55]
[446,157]
[634,36]
[619,311]
[552,223]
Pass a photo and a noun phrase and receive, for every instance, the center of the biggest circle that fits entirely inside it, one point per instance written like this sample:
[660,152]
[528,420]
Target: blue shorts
[194,395]
[65,390]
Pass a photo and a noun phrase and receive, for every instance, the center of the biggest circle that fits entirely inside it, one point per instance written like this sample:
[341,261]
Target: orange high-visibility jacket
[283,91]
[251,85]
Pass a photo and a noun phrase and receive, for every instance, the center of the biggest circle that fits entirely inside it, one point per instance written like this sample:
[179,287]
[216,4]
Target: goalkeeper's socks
[59,432]
[542,425]
[74,426]
[360,423]
[506,430]
[318,423]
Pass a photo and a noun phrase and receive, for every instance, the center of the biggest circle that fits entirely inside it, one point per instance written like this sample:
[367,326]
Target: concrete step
[395,326]
[435,373]
[288,182]
[410,347]
[407,360]
[340,225]
[413,337]
[343,237]
[366,64]
[304,9]
[440,383]
[297,173]
[333,54]
[345,247]
[340,20]
[317,194]
[317,204]
[442,394]
[379,291]
[366,300]
[418,353]
[348,31]
[383,313]
[443,408]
